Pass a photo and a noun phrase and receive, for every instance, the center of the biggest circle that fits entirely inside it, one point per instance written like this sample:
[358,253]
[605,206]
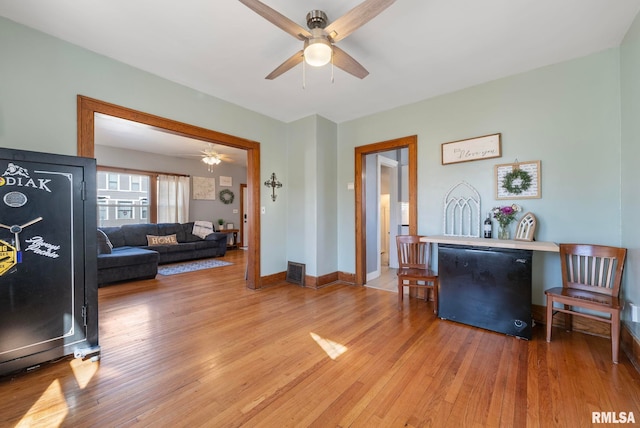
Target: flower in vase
[506,214]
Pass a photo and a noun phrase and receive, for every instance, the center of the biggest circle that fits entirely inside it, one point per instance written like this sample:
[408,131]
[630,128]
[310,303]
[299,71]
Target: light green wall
[327,234]
[630,89]
[312,203]
[40,77]
[566,115]
[301,193]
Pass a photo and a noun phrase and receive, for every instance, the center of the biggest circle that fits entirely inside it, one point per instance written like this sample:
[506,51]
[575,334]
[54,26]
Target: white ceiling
[415,49]
[121,133]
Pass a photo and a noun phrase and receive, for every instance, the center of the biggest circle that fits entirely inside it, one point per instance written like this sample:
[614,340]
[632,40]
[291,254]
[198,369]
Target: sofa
[133,251]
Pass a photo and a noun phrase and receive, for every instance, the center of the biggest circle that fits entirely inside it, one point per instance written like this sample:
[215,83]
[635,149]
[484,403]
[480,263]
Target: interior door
[42,269]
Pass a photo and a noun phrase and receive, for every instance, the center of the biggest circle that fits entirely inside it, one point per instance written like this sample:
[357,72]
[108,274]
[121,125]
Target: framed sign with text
[471,149]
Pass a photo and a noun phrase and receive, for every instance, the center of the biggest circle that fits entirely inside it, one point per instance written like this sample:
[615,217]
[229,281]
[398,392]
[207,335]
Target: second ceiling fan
[319,48]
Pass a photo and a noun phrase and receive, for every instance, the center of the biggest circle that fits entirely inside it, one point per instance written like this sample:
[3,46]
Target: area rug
[175,268]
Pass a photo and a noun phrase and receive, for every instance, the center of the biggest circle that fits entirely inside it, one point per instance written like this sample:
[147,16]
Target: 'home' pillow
[162,240]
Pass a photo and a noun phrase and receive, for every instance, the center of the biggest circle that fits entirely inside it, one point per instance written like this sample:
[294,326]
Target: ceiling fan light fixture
[318,47]
[211,159]
[318,52]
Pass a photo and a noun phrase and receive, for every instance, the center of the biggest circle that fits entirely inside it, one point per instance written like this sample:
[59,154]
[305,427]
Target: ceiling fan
[319,48]
[210,157]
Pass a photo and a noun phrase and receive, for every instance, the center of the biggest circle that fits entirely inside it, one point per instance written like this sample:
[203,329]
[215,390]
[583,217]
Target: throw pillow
[162,240]
[202,228]
[104,245]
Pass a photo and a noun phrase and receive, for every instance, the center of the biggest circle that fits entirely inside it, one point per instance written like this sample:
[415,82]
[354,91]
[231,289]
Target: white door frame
[244,241]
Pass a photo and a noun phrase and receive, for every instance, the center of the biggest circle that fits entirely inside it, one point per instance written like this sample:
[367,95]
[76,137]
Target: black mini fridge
[48,273]
[486,287]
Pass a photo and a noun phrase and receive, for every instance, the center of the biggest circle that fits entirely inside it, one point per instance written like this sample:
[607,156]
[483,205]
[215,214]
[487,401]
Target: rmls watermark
[613,418]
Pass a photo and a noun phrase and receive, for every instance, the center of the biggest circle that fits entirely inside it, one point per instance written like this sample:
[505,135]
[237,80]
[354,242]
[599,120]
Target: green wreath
[517,174]
[226,196]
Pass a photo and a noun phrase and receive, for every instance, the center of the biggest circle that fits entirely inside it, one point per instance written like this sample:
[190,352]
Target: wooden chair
[591,277]
[414,267]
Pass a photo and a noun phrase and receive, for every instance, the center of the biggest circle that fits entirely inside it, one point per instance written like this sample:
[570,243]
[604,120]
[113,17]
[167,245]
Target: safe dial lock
[16,229]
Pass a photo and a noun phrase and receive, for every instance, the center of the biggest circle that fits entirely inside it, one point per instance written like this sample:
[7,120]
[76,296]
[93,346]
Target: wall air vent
[295,273]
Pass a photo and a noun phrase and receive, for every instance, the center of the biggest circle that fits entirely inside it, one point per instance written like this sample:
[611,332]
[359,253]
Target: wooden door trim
[87,107]
[410,142]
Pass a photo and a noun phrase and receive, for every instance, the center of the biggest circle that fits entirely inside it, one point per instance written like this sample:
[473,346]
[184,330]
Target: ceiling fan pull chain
[304,77]
[332,81]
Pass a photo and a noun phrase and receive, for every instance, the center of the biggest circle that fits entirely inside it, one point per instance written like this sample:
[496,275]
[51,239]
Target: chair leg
[400,293]
[549,317]
[615,336]
[435,297]
[568,319]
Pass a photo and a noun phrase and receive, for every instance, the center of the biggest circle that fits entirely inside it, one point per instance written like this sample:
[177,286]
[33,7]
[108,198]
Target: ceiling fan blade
[356,18]
[343,60]
[294,60]
[277,19]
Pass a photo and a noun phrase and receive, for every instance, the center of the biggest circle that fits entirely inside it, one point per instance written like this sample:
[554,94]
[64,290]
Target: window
[124,182]
[112,180]
[124,210]
[144,209]
[129,197]
[136,181]
[102,181]
[103,210]
[124,197]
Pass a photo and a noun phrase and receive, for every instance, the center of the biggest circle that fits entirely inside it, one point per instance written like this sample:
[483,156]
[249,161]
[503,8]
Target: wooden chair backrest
[413,253]
[595,268]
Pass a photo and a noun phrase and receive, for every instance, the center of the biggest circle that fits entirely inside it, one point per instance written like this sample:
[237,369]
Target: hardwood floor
[199,349]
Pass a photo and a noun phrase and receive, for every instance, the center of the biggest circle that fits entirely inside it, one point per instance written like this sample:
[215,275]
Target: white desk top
[496,243]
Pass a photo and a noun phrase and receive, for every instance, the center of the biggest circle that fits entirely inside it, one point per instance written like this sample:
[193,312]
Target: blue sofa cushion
[187,228]
[135,235]
[164,249]
[115,235]
[165,229]
[185,246]
[127,256]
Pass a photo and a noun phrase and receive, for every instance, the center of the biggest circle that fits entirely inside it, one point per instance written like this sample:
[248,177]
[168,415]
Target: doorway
[384,184]
[244,216]
[88,107]
[360,184]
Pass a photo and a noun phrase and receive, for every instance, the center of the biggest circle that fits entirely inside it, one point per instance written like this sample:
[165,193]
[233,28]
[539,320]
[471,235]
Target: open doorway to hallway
[384,199]
[368,251]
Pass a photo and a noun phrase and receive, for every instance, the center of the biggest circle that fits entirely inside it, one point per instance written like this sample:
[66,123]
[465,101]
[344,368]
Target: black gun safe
[486,287]
[48,273]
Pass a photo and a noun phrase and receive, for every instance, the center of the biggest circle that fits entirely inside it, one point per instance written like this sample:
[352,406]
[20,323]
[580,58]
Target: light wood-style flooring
[386,281]
[201,350]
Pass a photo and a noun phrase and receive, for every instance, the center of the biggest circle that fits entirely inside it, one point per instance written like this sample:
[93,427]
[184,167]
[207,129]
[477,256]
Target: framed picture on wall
[478,148]
[226,181]
[520,180]
[204,188]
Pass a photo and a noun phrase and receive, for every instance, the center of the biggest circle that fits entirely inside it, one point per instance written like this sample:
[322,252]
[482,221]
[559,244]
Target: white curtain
[173,199]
